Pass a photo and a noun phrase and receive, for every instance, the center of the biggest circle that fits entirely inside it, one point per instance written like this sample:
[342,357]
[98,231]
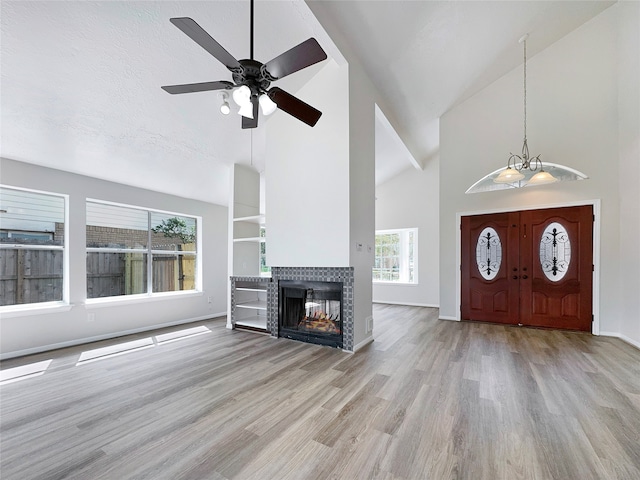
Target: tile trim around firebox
[317,274]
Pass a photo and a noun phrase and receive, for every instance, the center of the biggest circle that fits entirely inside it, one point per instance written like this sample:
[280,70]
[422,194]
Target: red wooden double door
[530,267]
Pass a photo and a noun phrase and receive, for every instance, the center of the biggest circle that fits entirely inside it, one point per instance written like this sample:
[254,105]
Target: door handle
[515,277]
[525,276]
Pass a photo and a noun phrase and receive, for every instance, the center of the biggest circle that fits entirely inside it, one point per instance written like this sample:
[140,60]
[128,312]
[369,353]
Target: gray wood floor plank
[428,399]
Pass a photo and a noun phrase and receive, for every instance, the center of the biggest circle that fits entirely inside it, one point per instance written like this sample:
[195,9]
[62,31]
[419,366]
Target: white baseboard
[408,304]
[362,344]
[447,317]
[106,336]
[622,337]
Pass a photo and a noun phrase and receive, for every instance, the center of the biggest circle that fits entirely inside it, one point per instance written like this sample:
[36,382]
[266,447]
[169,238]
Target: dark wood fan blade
[196,33]
[252,122]
[197,87]
[297,58]
[294,106]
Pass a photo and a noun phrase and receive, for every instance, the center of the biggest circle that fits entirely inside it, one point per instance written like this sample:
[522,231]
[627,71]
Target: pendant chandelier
[516,163]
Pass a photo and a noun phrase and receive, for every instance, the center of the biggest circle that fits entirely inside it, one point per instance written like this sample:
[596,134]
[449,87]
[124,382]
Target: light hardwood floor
[429,399]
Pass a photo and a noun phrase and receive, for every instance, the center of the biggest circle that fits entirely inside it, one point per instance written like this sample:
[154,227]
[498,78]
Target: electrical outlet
[210,299]
[91,317]
[369,324]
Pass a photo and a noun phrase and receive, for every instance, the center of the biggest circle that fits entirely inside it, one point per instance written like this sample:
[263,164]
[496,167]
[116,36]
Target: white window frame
[55,304]
[149,252]
[404,256]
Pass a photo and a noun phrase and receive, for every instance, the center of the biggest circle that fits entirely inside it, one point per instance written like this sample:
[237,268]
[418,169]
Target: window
[32,246]
[265,270]
[133,251]
[396,256]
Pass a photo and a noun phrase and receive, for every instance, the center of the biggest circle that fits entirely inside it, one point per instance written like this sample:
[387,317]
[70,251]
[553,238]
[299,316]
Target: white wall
[573,120]
[629,144]
[307,178]
[410,200]
[33,331]
[361,197]
[320,184]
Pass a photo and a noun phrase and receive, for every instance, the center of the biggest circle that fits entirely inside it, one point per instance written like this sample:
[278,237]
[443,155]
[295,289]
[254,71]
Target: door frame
[595,308]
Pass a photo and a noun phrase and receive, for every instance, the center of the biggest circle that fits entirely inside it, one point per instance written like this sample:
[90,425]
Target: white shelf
[253,322]
[254,305]
[252,219]
[243,289]
[250,239]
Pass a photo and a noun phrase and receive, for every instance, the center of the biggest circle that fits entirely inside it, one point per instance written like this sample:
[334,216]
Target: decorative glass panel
[561,172]
[555,251]
[489,253]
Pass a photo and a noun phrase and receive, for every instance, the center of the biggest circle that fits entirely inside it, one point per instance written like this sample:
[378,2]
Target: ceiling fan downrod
[251,32]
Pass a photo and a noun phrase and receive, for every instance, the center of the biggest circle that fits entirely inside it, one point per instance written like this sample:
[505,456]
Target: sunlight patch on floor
[181,334]
[114,350]
[10,375]
[23,372]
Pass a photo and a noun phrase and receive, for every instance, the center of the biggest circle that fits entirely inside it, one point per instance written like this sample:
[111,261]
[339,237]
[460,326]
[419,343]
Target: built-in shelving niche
[249,303]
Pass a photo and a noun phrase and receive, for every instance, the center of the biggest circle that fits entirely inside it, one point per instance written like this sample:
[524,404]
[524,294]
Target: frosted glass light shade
[267,105]
[224,105]
[246,110]
[242,96]
[542,178]
[508,175]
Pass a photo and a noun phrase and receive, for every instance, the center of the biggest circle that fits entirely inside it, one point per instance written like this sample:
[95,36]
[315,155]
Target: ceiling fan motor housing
[252,75]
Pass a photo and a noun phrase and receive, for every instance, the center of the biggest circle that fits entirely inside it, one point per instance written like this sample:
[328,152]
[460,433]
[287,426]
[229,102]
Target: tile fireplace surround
[315,274]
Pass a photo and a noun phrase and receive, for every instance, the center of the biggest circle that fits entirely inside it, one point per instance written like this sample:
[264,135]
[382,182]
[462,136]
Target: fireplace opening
[311,312]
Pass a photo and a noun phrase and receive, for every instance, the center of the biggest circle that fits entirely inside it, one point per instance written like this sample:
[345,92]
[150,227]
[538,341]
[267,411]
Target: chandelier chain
[516,163]
[525,90]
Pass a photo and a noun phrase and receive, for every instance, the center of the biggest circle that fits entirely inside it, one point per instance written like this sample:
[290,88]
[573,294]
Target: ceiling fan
[251,79]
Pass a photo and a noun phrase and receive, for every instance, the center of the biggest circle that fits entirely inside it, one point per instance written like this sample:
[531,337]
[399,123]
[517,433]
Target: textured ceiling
[81,80]
[81,88]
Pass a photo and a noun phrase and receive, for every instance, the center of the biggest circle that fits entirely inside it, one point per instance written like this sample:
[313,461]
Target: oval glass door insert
[488,253]
[555,251]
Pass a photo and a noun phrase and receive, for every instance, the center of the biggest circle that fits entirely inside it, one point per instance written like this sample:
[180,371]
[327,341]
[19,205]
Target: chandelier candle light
[516,163]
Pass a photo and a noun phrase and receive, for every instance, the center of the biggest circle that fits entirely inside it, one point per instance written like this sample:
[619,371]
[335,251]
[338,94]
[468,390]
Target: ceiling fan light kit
[267,105]
[252,79]
[225,109]
[512,173]
[246,110]
[242,95]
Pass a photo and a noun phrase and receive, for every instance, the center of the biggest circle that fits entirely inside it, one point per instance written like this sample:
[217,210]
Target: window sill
[11,311]
[131,299]
[401,284]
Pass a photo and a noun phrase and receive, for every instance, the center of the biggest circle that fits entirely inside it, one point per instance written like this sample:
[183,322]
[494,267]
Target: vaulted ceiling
[81,80]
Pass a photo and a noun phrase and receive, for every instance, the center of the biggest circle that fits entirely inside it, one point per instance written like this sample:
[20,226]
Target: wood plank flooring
[429,399]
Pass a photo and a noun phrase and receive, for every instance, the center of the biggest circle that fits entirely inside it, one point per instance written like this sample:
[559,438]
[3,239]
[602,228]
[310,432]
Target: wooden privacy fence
[34,276]
[112,274]
[30,276]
